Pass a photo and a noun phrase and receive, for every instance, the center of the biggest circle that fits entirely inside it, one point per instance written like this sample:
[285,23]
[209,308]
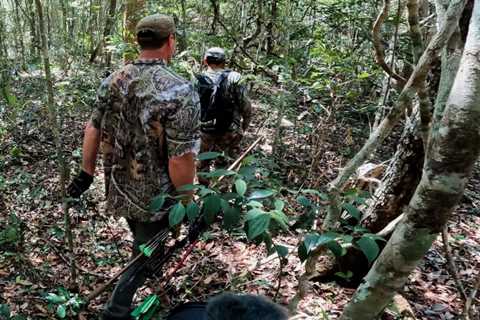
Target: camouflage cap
[216,54]
[160,24]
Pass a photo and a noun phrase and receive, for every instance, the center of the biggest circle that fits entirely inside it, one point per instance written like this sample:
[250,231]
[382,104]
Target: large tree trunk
[452,152]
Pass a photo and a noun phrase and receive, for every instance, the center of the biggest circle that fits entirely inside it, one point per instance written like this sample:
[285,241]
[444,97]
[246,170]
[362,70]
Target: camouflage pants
[120,304]
[227,142]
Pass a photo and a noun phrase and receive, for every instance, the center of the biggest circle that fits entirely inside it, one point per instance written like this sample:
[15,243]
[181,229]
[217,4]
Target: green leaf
[261,194]
[313,240]
[54,298]
[240,187]
[258,225]
[282,251]
[151,300]
[336,248]
[281,218]
[352,210]
[176,214]
[343,275]
[304,201]
[157,203]
[192,211]
[253,213]
[209,155]
[61,311]
[279,204]
[189,187]
[254,204]
[146,250]
[322,196]
[204,192]
[369,248]
[217,173]
[231,217]
[211,206]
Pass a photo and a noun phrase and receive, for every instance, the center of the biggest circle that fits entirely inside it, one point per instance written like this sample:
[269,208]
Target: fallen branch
[471,299]
[239,159]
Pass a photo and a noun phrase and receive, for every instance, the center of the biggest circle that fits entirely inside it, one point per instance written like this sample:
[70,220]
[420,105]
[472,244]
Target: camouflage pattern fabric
[237,91]
[147,114]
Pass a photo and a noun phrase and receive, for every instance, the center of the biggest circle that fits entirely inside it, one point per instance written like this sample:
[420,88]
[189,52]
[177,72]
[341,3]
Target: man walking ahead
[226,109]
[146,121]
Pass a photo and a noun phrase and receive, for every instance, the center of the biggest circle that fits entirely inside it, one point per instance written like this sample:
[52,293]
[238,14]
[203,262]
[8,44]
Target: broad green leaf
[211,206]
[204,192]
[337,249]
[304,201]
[281,218]
[231,217]
[61,311]
[209,155]
[313,240]
[258,225]
[157,203]
[176,214]
[253,213]
[192,211]
[146,250]
[282,251]
[54,298]
[279,204]
[240,187]
[189,187]
[261,194]
[321,195]
[352,210]
[254,204]
[369,248]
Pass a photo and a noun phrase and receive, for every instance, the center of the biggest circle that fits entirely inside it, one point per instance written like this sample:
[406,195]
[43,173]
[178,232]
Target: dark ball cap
[215,54]
[160,24]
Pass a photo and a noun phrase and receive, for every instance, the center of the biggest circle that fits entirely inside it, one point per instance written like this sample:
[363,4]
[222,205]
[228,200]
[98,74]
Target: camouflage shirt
[147,114]
[237,91]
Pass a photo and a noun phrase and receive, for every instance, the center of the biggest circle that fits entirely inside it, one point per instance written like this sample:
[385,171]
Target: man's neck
[215,68]
[160,54]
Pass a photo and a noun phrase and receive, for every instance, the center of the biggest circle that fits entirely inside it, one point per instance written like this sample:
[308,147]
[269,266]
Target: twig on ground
[469,302]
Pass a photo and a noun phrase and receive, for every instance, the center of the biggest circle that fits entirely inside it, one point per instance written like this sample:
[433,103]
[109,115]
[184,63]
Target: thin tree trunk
[450,159]
[55,126]
[270,26]
[106,31]
[133,13]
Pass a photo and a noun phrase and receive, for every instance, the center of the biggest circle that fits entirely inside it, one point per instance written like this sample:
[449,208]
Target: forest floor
[37,264]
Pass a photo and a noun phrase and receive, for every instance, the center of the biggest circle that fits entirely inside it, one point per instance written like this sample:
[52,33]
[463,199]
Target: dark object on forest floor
[79,184]
[229,306]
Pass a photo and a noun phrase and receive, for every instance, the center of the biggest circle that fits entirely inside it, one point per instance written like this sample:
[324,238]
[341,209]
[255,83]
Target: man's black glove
[79,185]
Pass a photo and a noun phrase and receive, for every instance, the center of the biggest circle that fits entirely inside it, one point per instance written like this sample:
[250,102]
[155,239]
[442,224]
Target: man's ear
[171,42]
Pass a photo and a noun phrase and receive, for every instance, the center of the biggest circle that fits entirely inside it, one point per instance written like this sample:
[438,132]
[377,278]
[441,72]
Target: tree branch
[378,46]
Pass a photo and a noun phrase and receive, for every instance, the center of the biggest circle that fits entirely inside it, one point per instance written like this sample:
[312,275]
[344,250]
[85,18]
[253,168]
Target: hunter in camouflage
[147,114]
[228,140]
[146,123]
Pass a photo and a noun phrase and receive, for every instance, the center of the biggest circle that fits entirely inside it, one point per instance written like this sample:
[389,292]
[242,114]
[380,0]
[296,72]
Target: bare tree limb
[378,46]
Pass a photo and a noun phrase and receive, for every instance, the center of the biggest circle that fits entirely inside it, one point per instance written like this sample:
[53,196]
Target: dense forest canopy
[356,193]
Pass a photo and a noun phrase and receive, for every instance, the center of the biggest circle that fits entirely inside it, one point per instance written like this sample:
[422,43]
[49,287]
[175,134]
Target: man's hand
[79,185]
[182,172]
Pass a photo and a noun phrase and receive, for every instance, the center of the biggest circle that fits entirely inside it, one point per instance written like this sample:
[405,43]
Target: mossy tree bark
[452,152]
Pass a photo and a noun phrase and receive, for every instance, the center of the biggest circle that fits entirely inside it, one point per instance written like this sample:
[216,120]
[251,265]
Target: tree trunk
[106,31]
[183,43]
[450,158]
[270,26]
[133,13]
[401,178]
[55,126]
[216,16]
